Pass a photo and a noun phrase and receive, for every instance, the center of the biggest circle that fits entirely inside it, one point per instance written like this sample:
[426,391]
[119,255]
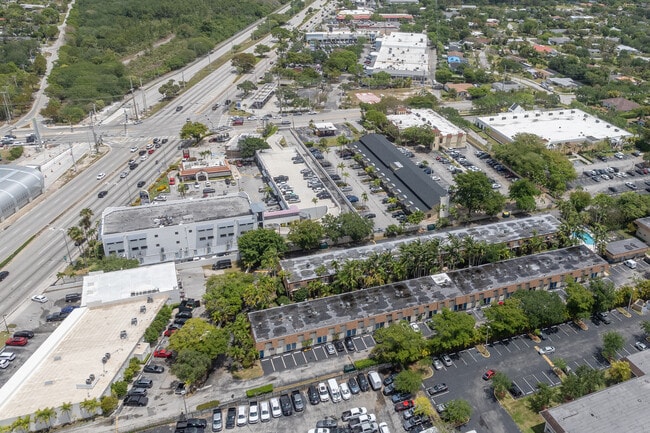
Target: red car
[488,374]
[404,405]
[170,330]
[162,353]
[16,341]
[150,151]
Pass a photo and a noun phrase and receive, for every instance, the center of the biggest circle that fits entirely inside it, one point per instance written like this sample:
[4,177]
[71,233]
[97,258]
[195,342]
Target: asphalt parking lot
[519,360]
[298,358]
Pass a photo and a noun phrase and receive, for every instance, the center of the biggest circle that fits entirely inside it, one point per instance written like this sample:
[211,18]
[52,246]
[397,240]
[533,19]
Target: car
[56,317]
[102,194]
[546,350]
[179,108]
[171,329]
[604,317]
[298,401]
[100,176]
[640,345]
[162,353]
[253,412]
[354,386]
[141,184]
[3,275]
[133,149]
[363,382]
[276,412]
[630,264]
[4,363]
[383,428]
[339,346]
[16,341]
[143,157]
[26,334]
[345,391]
[404,405]
[349,344]
[414,326]
[137,391]
[412,422]
[436,363]
[69,308]
[440,408]
[446,360]
[353,413]
[631,185]
[265,411]
[515,391]
[40,298]
[329,348]
[199,423]
[312,394]
[135,400]
[124,174]
[488,374]
[143,382]
[438,388]
[231,416]
[329,423]
[400,396]
[242,416]
[152,368]
[388,390]
[133,166]
[323,394]
[285,405]
[360,420]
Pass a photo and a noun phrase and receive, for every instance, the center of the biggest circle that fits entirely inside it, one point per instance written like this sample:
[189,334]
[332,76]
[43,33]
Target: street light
[487,334]
[67,247]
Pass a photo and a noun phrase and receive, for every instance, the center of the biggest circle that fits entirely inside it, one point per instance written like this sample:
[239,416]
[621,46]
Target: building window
[552,286]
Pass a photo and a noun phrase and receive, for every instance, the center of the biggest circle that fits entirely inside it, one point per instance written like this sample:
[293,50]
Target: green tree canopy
[474,192]
[408,381]
[169,89]
[247,87]
[542,308]
[307,234]
[458,412]
[191,365]
[244,62]
[255,244]
[398,344]
[523,192]
[604,294]
[199,335]
[507,319]
[612,343]
[249,145]
[194,130]
[579,302]
[455,330]
[224,295]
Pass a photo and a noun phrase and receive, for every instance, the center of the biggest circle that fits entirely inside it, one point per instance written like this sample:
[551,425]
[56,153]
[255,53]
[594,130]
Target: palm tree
[78,236]
[340,166]
[60,276]
[364,197]
[44,415]
[85,222]
[345,175]
[314,200]
[452,251]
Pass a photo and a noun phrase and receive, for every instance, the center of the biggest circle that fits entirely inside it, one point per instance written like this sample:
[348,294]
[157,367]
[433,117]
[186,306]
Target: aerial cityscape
[331,216]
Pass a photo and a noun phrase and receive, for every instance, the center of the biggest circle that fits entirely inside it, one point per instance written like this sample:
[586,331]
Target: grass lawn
[527,420]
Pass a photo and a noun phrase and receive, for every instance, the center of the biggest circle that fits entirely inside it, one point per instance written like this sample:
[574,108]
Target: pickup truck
[355,411]
[362,419]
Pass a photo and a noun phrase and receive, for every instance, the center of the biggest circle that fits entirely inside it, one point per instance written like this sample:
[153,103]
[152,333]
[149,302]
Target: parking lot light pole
[487,334]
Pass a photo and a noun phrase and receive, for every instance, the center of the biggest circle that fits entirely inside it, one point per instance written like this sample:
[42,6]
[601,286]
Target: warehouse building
[557,128]
[285,328]
[403,55]
[512,233]
[179,230]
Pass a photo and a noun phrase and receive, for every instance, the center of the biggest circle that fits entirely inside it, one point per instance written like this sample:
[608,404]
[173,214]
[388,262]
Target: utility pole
[144,98]
[74,163]
[6,105]
[135,106]
[126,119]
[92,128]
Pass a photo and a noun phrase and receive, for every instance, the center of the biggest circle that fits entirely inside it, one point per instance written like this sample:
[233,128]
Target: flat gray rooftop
[619,408]
[320,313]
[625,246]
[302,268]
[134,218]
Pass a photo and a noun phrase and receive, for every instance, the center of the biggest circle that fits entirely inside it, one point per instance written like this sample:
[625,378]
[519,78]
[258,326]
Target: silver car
[436,363]
[446,360]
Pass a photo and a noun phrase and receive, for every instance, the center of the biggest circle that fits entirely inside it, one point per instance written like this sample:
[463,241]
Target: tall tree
[579,302]
[398,344]
[542,308]
[254,244]
[455,330]
[199,335]
[542,398]
[193,130]
[307,234]
[523,192]
[620,371]
[474,192]
[507,319]
[244,62]
[604,294]
[457,412]
[612,343]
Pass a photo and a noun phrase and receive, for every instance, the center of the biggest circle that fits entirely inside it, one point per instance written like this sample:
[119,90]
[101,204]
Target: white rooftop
[403,52]
[420,117]
[103,287]
[555,127]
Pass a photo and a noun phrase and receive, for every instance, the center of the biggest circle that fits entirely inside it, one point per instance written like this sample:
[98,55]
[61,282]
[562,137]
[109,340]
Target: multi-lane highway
[47,220]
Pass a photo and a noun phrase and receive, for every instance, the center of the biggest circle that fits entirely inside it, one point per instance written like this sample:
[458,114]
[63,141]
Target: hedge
[365,363]
[158,325]
[208,405]
[259,391]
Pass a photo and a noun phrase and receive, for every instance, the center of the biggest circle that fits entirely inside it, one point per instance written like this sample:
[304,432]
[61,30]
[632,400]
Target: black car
[181,320]
[152,368]
[102,194]
[354,386]
[312,395]
[396,398]
[604,317]
[184,315]
[133,166]
[298,401]
[143,382]
[389,379]
[339,346]
[56,317]
[389,390]
[349,344]
[327,423]
[142,152]
[3,275]
[137,391]
[231,416]
[73,297]
[412,422]
[285,405]
[26,334]
[141,184]
[515,391]
[363,382]
[135,400]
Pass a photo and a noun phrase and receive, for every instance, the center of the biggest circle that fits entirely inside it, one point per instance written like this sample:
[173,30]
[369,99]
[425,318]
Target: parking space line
[267,361]
[304,357]
[587,362]
[470,354]
[505,346]
[550,380]
[514,343]
[497,350]
[532,388]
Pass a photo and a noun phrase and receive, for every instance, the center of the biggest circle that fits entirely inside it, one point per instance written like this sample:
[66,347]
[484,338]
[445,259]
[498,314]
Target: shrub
[259,391]
[108,404]
[365,363]
[208,405]
[15,152]
[158,325]
[119,388]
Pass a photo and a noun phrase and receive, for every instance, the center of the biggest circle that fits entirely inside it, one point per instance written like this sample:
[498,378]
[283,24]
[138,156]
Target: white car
[40,298]
[100,176]
[345,391]
[630,264]
[276,411]
[383,428]
[414,326]
[242,416]
[143,157]
[323,393]
[265,412]
[546,349]
[329,347]
[133,149]
[253,413]
[124,174]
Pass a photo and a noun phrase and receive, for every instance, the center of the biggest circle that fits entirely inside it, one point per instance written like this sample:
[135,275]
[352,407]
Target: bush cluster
[158,325]
[254,392]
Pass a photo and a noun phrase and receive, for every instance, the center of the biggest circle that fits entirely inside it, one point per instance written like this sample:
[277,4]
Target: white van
[334,390]
[375,380]
[9,356]
[630,264]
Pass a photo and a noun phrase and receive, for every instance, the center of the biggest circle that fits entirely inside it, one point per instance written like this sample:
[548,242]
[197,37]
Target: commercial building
[401,55]
[559,127]
[624,249]
[400,176]
[339,37]
[286,328]
[90,349]
[447,134]
[512,233]
[18,187]
[643,228]
[262,95]
[618,408]
[179,229]
[324,129]
[203,169]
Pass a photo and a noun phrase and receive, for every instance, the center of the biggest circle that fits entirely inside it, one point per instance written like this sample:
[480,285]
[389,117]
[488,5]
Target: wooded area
[91,68]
